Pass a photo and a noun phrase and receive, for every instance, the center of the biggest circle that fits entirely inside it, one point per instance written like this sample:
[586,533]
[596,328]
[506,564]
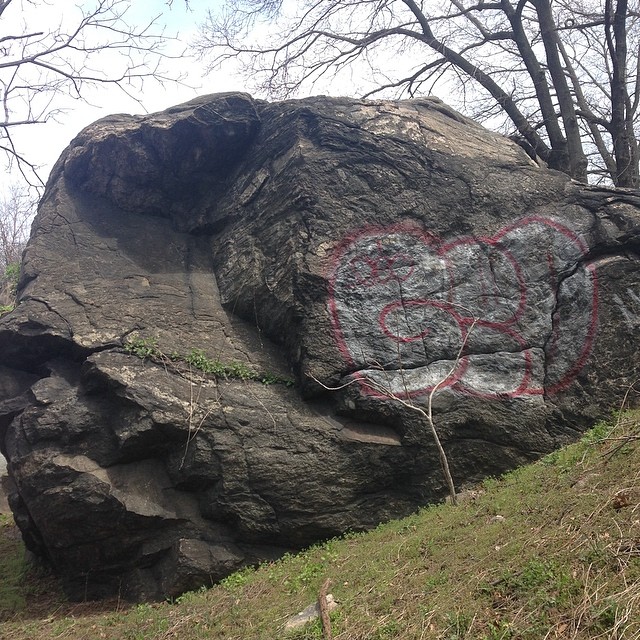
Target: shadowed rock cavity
[369,251]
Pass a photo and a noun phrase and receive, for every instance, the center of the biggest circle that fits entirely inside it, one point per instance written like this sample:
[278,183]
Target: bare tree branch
[94,45]
[547,67]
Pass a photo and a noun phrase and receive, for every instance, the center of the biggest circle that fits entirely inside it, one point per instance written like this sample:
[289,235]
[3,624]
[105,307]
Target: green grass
[12,568]
[551,550]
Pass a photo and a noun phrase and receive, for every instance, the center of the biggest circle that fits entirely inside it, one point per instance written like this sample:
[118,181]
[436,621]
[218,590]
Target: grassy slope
[550,551]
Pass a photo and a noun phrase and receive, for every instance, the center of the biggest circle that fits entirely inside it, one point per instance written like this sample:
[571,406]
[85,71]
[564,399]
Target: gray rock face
[376,253]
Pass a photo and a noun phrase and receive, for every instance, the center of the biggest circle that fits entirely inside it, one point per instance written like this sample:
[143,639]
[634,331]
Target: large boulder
[233,316]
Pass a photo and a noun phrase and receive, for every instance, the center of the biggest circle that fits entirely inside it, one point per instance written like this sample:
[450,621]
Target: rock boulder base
[375,254]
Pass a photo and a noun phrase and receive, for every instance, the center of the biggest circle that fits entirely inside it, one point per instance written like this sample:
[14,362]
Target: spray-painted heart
[512,314]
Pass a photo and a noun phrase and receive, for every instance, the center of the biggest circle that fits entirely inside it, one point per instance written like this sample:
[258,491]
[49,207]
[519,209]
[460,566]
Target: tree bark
[624,141]
[557,157]
[575,157]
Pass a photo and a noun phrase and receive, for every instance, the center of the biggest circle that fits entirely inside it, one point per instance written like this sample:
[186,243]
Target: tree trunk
[624,141]
[501,97]
[575,157]
[557,157]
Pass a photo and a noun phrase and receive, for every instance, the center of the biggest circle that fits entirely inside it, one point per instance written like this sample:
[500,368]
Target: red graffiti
[507,315]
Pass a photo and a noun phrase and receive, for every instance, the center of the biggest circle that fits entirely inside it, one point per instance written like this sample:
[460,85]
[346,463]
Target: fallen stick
[324,610]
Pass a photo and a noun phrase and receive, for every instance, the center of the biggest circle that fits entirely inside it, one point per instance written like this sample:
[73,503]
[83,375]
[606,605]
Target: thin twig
[427,415]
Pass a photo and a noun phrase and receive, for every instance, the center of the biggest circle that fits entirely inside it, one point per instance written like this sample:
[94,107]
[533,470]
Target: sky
[43,143]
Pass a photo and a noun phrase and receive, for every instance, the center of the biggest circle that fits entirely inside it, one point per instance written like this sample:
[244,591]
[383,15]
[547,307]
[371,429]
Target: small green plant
[147,622]
[596,434]
[142,347]
[436,579]
[8,286]
[566,459]
[238,579]
[12,570]
[272,378]
[388,630]
[311,572]
[458,625]
[12,273]
[542,582]
[551,459]
[198,359]
[499,631]
[534,574]
[605,618]
[238,370]
[6,308]
[189,596]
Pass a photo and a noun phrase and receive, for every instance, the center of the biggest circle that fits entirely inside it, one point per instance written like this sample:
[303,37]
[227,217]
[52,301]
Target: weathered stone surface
[377,248]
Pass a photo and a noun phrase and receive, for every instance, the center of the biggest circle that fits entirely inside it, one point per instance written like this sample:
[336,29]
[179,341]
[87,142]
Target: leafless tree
[45,60]
[425,413]
[16,211]
[562,76]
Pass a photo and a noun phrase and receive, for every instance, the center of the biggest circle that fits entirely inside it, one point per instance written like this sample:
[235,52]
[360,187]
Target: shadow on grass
[29,592]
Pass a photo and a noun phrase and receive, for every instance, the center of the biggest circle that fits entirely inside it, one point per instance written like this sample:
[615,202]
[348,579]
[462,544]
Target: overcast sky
[43,143]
